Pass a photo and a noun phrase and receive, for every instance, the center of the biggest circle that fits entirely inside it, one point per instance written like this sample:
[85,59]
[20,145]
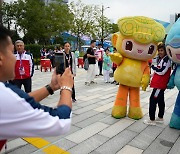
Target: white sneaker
[150,122]
[159,120]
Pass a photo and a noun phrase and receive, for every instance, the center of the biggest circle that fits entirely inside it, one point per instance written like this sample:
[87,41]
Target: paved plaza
[93,129]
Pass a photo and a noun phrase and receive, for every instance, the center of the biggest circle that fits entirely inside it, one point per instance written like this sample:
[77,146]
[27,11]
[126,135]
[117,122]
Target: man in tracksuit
[23,67]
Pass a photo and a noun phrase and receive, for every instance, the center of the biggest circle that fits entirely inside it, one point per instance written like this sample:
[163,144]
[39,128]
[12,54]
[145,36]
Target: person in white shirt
[20,113]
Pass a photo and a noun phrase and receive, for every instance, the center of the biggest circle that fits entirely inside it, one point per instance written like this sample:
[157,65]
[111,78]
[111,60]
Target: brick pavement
[93,129]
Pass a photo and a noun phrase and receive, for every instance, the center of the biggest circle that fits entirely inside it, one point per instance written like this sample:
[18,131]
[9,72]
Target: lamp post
[102,28]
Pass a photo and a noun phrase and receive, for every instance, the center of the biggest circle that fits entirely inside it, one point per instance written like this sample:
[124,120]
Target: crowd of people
[21,111]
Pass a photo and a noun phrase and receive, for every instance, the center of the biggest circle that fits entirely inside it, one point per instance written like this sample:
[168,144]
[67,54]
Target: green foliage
[34,49]
[38,22]
[88,20]
[114,28]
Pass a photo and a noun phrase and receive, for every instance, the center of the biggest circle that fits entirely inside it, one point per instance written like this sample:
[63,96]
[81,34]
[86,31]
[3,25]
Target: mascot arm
[116,58]
[171,84]
[145,78]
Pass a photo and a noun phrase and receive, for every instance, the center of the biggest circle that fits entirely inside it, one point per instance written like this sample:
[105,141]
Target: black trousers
[73,92]
[26,82]
[157,97]
[100,66]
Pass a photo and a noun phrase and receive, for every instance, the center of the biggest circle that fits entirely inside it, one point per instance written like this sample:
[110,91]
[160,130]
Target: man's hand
[54,83]
[66,79]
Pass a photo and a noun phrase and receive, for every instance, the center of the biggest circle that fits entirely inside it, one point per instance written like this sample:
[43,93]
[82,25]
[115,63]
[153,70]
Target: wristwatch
[49,89]
[65,88]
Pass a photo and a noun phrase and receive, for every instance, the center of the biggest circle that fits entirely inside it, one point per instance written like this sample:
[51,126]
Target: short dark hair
[92,41]
[66,43]
[161,45]
[4,34]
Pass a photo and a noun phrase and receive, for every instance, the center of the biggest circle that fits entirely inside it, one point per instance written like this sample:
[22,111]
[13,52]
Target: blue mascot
[173,51]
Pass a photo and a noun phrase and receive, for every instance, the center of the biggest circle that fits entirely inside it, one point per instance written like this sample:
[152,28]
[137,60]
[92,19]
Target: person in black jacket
[92,61]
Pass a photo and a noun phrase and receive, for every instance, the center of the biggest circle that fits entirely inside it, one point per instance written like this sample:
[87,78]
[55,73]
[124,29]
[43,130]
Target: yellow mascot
[136,43]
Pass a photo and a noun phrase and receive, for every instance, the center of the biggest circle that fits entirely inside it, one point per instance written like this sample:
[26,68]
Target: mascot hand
[116,58]
[145,81]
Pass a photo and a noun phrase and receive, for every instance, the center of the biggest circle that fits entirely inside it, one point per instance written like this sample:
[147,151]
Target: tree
[84,19]
[37,21]
[8,12]
[102,28]
[59,18]
[89,20]
[1,2]
[114,28]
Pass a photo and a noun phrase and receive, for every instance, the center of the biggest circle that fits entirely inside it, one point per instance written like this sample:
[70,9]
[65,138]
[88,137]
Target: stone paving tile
[116,128]
[145,111]
[146,137]
[89,145]
[83,116]
[72,130]
[108,96]
[164,142]
[85,109]
[95,90]
[175,148]
[91,97]
[108,111]
[169,102]
[157,147]
[135,135]
[104,107]
[138,126]
[91,120]
[169,134]
[15,144]
[86,132]
[109,89]
[23,150]
[167,118]
[109,120]
[130,150]
[115,144]
[87,103]
[105,101]
[170,110]
[64,144]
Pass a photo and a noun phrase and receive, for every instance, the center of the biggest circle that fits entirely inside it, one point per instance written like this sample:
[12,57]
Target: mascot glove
[116,58]
[145,81]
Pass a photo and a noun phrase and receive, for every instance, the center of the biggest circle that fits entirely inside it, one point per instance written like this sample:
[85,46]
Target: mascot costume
[173,51]
[136,43]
